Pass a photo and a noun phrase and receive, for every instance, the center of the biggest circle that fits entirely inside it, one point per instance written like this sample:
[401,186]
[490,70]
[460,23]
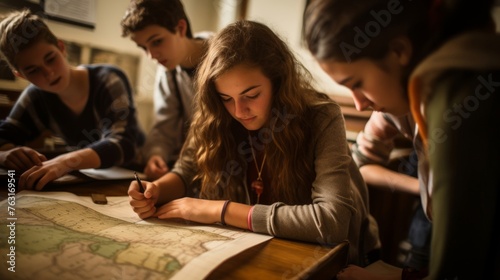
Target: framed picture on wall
[76,12]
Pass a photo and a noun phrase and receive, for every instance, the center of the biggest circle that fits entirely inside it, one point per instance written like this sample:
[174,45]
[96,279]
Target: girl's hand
[192,209]
[143,203]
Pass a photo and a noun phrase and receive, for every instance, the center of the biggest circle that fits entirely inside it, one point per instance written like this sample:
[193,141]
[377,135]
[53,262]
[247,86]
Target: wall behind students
[286,18]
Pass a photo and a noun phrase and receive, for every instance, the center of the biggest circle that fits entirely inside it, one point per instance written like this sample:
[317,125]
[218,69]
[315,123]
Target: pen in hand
[139,182]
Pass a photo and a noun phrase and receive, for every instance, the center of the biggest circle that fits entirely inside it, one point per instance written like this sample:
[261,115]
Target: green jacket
[456,95]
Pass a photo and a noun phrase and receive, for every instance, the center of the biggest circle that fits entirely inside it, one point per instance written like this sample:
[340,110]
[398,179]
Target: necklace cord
[259,171]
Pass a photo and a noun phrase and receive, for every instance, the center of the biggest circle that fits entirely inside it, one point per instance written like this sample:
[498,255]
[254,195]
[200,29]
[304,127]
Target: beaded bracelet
[223,212]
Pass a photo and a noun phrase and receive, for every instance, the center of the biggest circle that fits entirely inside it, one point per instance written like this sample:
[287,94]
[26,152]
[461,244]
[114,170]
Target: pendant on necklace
[258,186]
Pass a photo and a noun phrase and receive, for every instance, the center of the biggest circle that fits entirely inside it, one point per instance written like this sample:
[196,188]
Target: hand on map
[143,203]
[165,199]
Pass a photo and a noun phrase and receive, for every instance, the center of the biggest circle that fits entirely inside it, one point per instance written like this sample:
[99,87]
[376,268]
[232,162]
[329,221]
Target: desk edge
[341,248]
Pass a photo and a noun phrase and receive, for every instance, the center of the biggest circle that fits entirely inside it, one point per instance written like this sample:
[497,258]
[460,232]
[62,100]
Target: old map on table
[63,236]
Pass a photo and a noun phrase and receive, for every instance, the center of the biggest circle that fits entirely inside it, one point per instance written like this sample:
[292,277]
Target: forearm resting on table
[80,159]
[237,215]
[381,176]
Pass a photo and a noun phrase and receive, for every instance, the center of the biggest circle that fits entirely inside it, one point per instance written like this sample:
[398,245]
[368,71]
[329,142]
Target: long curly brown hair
[222,147]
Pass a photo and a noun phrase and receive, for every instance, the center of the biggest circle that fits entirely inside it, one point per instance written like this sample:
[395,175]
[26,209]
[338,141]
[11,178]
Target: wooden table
[284,259]
[273,259]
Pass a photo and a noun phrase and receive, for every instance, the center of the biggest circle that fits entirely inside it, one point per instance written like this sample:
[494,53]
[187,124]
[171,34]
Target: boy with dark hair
[161,28]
